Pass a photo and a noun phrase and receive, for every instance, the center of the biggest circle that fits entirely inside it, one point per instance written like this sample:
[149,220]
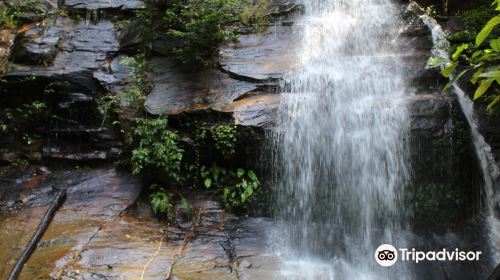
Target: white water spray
[342,143]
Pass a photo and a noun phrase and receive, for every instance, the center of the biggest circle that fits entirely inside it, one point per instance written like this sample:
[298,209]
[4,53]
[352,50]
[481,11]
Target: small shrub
[161,203]
[197,27]
[236,188]
[481,57]
[134,94]
[225,139]
[157,148]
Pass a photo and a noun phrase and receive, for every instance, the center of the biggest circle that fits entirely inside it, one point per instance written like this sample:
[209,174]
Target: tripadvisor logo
[387,255]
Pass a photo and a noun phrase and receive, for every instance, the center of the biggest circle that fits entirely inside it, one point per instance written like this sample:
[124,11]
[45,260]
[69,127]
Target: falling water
[342,142]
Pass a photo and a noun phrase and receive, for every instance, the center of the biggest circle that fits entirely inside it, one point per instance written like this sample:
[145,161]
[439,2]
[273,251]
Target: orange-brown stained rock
[92,236]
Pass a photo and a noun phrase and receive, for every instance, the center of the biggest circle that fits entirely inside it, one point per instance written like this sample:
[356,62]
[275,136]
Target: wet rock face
[94,199]
[92,236]
[175,91]
[446,179]
[415,44]
[83,49]
[261,57]
[37,46]
[54,63]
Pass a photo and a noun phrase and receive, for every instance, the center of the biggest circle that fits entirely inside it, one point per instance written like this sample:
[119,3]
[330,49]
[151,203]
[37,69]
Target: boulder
[261,57]
[176,91]
[37,45]
[83,50]
[257,110]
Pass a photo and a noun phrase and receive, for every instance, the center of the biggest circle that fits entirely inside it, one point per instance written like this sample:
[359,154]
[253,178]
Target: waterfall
[341,144]
[486,159]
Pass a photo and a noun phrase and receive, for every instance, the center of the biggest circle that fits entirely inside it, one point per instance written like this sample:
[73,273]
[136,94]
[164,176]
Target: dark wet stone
[414,25]
[256,110]
[130,36]
[74,99]
[455,25]
[84,50]
[445,174]
[114,76]
[37,46]
[175,91]
[98,37]
[260,57]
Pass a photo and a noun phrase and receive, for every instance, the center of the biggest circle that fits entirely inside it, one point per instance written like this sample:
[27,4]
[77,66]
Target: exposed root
[152,258]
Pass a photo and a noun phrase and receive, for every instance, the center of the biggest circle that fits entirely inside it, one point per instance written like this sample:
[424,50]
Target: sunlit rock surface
[261,57]
[100,233]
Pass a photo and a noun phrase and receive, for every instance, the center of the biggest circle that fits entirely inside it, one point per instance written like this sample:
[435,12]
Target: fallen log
[56,203]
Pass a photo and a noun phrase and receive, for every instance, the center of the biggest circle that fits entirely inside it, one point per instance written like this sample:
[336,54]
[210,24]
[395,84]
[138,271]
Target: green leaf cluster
[193,28]
[161,202]
[134,94]
[199,26]
[21,120]
[225,137]
[157,148]
[235,187]
[480,58]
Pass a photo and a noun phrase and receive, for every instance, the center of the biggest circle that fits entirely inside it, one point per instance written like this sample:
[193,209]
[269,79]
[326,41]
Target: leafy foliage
[157,148]
[193,28]
[236,187]
[20,121]
[225,139]
[134,93]
[161,202]
[478,57]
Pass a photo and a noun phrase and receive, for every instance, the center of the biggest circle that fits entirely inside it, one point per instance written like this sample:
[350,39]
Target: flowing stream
[342,143]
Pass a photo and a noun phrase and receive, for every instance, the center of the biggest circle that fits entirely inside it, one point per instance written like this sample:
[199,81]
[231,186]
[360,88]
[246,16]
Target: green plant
[431,11]
[161,202]
[197,27]
[186,206]
[225,139]
[20,121]
[132,97]
[483,61]
[134,94]
[236,187]
[157,147]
